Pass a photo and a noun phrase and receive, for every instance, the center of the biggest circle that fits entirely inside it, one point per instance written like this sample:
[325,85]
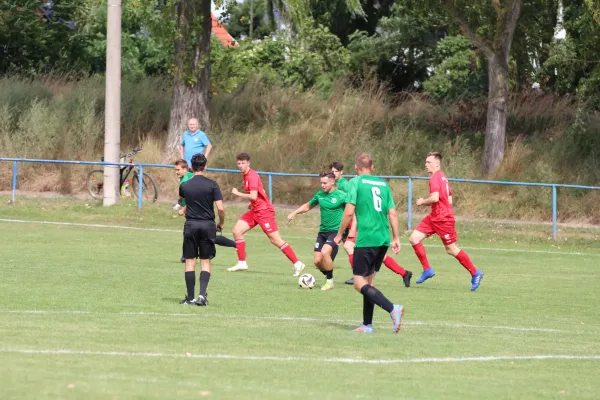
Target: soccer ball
[306,281]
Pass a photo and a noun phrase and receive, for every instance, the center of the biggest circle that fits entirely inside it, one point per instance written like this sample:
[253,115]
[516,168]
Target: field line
[134,228]
[280,318]
[334,360]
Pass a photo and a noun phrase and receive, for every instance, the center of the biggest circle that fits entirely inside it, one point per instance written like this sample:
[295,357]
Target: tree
[490,25]
[191,70]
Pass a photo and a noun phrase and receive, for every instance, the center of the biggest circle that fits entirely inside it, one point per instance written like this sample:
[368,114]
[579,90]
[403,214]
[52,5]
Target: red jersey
[252,182]
[442,210]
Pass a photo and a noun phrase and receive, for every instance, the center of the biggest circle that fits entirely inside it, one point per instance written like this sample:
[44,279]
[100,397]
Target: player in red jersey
[261,213]
[441,222]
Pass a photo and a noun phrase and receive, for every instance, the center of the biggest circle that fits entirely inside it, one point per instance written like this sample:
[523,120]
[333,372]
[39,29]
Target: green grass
[104,291]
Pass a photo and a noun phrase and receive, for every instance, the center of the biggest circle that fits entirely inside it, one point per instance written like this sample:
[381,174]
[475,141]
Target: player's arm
[433,198]
[346,219]
[304,208]
[450,199]
[221,212]
[252,196]
[207,150]
[393,218]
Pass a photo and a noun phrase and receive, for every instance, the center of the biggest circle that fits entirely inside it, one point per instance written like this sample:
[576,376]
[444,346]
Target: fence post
[554,212]
[271,188]
[409,204]
[140,183]
[14,182]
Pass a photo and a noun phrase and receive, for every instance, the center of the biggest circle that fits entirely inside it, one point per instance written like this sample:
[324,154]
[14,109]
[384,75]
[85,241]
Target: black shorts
[368,260]
[199,239]
[327,238]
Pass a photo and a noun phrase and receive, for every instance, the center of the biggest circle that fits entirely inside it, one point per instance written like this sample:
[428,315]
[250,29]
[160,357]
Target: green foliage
[401,49]
[456,73]
[314,58]
[237,19]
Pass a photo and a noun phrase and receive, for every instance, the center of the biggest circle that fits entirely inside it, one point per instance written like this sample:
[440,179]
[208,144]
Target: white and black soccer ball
[306,281]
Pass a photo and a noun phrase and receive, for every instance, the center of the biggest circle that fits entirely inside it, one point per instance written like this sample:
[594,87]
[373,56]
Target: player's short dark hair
[243,157]
[364,160]
[181,163]
[436,155]
[198,162]
[327,174]
[337,165]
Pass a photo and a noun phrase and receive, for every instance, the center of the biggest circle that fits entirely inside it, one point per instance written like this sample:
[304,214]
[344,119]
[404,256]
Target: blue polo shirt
[193,144]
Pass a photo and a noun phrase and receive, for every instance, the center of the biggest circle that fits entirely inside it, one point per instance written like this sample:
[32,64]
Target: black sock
[323,272]
[204,278]
[190,283]
[223,241]
[329,274]
[376,297]
[368,308]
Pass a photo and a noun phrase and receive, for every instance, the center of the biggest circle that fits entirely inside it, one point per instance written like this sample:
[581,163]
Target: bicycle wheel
[95,184]
[149,189]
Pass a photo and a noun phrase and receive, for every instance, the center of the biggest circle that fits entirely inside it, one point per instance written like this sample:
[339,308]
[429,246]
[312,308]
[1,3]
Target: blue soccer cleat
[428,273]
[396,316]
[476,280]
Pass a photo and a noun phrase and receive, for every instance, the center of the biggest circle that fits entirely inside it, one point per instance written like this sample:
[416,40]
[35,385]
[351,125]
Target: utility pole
[112,109]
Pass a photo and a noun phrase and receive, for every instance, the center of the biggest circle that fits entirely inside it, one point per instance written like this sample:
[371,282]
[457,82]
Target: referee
[200,231]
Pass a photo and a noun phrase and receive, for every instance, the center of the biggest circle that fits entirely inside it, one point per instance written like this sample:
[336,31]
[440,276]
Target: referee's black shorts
[199,239]
[368,260]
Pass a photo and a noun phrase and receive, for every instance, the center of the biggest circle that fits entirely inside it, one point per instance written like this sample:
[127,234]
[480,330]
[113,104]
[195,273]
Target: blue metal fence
[270,176]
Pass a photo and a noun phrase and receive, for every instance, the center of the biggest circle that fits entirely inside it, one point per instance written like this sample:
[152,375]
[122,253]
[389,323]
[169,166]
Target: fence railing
[270,176]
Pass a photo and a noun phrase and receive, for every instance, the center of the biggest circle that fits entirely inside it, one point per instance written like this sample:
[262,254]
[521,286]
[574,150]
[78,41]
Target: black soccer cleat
[202,301]
[350,281]
[406,278]
[188,302]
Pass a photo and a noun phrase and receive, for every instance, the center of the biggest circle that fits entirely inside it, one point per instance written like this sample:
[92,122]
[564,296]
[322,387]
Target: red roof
[221,33]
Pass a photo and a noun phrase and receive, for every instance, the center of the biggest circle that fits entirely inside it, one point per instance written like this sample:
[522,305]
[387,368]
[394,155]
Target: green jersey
[184,179]
[332,208]
[343,185]
[372,198]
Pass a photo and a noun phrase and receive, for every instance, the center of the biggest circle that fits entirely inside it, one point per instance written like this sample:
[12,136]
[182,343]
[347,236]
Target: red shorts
[265,219]
[444,229]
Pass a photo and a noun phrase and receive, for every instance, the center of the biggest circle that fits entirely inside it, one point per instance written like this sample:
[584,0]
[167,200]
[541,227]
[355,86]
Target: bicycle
[95,180]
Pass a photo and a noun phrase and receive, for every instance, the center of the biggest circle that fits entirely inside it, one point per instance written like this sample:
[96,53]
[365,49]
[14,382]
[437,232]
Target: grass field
[89,310]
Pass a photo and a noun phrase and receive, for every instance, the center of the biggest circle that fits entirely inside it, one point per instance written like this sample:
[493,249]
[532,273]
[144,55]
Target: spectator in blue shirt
[194,141]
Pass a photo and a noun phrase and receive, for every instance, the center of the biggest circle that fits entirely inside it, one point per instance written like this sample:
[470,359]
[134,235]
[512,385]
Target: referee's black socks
[190,283]
[204,278]
[377,297]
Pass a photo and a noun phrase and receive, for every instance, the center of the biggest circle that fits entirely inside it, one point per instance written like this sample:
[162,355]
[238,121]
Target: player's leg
[349,248]
[329,252]
[367,262]
[243,225]
[190,253]
[393,266]
[206,252]
[422,231]
[224,241]
[286,249]
[448,235]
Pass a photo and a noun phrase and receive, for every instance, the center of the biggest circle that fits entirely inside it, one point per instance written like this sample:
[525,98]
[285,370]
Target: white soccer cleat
[298,268]
[240,266]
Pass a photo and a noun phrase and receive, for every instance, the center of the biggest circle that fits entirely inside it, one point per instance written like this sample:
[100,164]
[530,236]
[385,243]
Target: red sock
[422,255]
[240,246]
[289,253]
[351,259]
[464,259]
[393,265]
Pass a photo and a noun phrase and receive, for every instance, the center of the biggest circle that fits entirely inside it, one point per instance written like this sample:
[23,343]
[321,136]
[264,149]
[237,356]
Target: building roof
[221,33]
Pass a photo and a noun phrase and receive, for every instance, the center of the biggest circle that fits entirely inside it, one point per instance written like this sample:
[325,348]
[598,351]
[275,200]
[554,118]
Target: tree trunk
[497,114]
[191,80]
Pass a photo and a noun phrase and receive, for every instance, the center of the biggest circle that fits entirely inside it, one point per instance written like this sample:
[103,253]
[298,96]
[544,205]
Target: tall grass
[286,131]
